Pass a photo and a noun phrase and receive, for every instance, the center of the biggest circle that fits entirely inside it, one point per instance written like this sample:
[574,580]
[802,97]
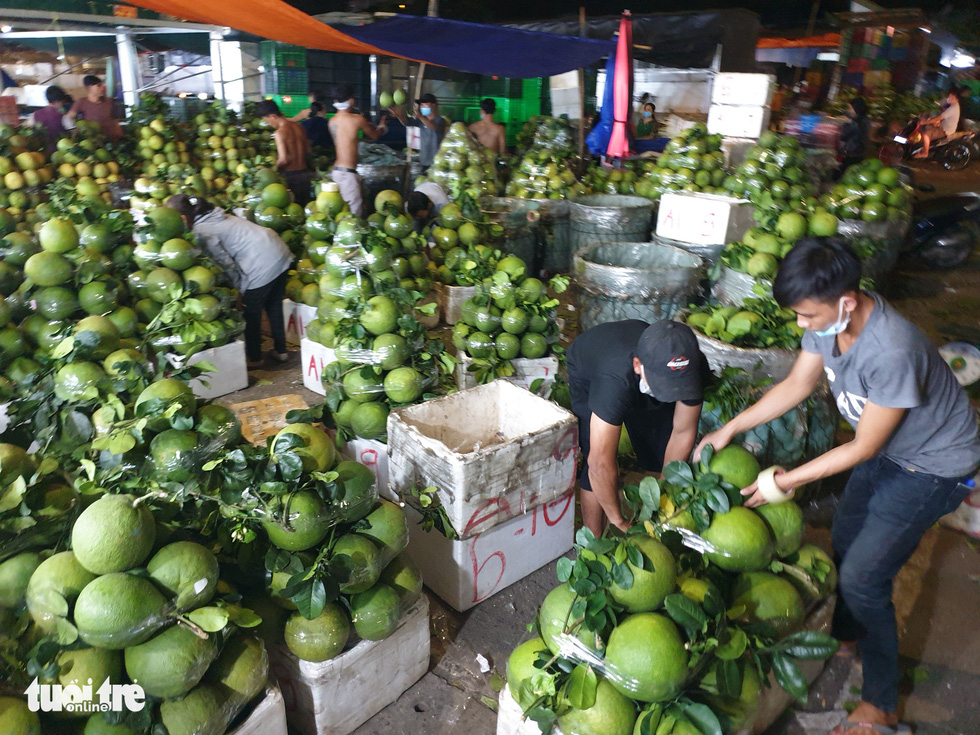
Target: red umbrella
[619,142]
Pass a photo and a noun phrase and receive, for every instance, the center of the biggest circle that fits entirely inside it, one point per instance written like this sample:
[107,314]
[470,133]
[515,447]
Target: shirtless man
[292,145]
[344,127]
[490,134]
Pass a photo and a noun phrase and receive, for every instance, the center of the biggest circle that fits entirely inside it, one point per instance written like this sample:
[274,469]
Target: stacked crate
[285,69]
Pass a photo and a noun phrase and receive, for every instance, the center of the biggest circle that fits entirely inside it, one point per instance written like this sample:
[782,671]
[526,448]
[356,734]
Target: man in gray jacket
[257,261]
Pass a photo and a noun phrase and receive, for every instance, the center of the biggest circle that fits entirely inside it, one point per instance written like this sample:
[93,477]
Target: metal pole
[433,9]
[373,61]
[810,26]
[217,72]
[581,89]
[128,68]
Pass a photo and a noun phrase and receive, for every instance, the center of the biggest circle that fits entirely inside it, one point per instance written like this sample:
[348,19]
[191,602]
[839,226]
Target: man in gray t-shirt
[432,126]
[915,443]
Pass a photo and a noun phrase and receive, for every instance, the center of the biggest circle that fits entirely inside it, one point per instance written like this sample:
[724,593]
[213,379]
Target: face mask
[644,386]
[839,326]
[647,113]
[426,111]
[341,105]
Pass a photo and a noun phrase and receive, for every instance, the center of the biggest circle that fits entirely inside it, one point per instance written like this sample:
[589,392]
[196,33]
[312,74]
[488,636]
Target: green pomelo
[97,725]
[319,453]
[177,254]
[186,571]
[119,610]
[769,599]
[159,397]
[388,528]
[242,667]
[16,717]
[90,667]
[166,223]
[736,466]
[370,420]
[741,711]
[819,567]
[648,657]
[108,334]
[170,663]
[403,575]
[363,389]
[15,575]
[375,612]
[113,535]
[305,521]
[380,315]
[58,580]
[361,558]
[320,639]
[218,424]
[554,618]
[56,302]
[612,714]
[785,521]
[359,492]
[649,587]
[392,349]
[14,462]
[203,710]
[742,541]
[48,269]
[403,385]
[174,455]
[161,283]
[58,235]
[520,668]
[762,265]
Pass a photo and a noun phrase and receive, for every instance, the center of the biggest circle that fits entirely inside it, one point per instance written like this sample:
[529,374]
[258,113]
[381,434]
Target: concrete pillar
[129,70]
[218,75]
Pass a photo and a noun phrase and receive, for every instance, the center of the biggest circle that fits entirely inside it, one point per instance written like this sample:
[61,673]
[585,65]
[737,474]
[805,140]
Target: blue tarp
[598,139]
[481,49]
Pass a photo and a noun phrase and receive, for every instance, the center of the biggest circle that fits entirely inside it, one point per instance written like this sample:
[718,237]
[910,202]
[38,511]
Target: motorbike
[945,231]
[954,153]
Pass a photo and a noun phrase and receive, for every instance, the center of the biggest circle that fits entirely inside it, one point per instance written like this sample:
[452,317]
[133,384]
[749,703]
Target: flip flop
[846,726]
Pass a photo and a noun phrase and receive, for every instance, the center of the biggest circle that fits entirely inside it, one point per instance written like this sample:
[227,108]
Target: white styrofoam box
[338,696]
[451,300]
[296,316]
[467,572]
[374,455]
[510,717]
[313,358]
[966,518]
[526,371]
[703,219]
[268,717]
[231,374]
[495,447]
[738,121]
[730,88]
[735,150]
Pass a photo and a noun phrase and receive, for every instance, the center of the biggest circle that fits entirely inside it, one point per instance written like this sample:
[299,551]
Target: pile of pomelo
[24,169]
[542,171]
[463,164]
[651,659]
[693,161]
[757,323]
[869,191]
[760,251]
[89,162]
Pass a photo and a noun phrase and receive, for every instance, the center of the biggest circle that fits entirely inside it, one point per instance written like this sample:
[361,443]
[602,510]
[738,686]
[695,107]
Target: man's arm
[683,434]
[399,114]
[501,147]
[603,469]
[282,150]
[424,120]
[372,132]
[876,425]
[797,386]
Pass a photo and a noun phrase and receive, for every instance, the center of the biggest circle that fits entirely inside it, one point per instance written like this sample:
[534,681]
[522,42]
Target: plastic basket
[280,80]
[276,53]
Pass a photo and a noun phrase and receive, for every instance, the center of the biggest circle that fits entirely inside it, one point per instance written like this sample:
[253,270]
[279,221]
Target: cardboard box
[313,358]
[738,121]
[266,417]
[450,299]
[703,219]
[743,89]
[526,372]
[374,455]
[296,316]
[495,447]
[466,572]
[231,374]
[268,717]
[338,696]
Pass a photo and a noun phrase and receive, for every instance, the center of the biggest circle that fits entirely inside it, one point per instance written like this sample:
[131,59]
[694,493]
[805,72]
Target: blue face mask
[647,113]
[843,319]
[426,111]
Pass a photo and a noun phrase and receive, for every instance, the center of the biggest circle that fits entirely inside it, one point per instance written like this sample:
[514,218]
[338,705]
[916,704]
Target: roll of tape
[768,487]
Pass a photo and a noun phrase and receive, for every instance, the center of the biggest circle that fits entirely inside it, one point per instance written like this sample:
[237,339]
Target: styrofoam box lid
[494,414]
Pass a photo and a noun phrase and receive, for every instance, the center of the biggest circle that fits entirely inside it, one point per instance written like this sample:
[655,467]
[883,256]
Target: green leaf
[564,568]
[733,649]
[543,717]
[210,619]
[12,497]
[703,718]
[63,348]
[679,473]
[497,682]
[789,676]
[717,500]
[650,493]
[686,612]
[729,679]
[707,454]
[65,633]
[121,443]
[650,719]
[581,688]
[309,597]
[622,576]
[808,645]
[243,617]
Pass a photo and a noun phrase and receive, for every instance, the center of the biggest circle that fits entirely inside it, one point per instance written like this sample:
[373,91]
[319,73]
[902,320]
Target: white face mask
[644,386]
[843,319]
[341,105]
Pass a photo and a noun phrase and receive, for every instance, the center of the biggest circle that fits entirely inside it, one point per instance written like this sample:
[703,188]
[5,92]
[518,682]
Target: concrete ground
[937,594]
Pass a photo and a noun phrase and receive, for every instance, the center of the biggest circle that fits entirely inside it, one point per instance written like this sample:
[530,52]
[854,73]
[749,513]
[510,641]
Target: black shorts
[649,431]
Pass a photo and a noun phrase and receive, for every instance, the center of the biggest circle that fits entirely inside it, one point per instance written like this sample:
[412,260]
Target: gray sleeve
[809,343]
[897,378]
[217,253]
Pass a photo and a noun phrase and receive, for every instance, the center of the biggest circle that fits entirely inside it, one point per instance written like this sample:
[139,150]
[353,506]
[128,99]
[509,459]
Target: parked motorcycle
[954,152]
[945,231]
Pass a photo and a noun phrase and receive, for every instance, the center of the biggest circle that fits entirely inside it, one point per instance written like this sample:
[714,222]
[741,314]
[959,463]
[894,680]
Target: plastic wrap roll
[732,287]
[519,218]
[892,230]
[708,253]
[635,280]
[610,215]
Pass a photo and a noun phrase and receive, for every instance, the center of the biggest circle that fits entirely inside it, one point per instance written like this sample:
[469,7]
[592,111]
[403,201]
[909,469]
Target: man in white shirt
[942,126]
[424,203]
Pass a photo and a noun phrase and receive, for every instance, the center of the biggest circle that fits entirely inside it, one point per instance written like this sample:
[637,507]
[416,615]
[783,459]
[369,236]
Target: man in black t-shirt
[649,378]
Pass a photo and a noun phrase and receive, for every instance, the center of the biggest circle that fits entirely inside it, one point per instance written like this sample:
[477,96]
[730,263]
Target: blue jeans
[883,513]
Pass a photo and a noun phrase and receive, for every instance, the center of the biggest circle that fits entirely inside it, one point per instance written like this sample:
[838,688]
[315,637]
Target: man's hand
[717,439]
[754,498]
[622,524]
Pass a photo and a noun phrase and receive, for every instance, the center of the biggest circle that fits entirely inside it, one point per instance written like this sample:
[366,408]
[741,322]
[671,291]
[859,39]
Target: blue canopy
[480,49]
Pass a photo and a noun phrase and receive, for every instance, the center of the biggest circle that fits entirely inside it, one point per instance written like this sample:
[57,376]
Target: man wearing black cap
[432,126]
[648,377]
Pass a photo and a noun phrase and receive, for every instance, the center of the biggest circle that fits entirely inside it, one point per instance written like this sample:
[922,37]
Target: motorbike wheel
[890,154]
[956,157]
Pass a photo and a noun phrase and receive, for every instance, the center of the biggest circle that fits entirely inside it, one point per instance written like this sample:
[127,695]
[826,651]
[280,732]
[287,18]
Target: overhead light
[54,34]
[925,30]
[961,60]
[202,95]
[6,29]
[287,99]
[261,70]
[181,95]
[61,57]
[226,31]
[828,56]
[402,7]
